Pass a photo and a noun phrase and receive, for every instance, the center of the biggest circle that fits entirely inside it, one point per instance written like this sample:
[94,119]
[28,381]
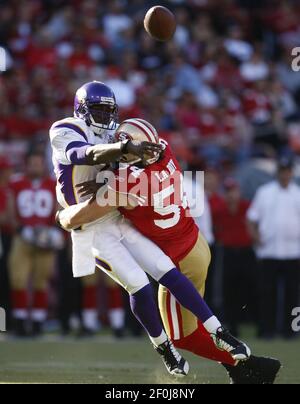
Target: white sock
[212,325]
[21,314]
[39,315]
[159,340]
[117,318]
[90,319]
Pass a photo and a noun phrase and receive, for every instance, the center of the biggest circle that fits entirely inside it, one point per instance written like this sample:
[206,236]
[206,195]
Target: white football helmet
[140,130]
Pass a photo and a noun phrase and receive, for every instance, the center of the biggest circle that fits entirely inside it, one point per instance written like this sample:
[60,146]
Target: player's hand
[140,149]
[88,188]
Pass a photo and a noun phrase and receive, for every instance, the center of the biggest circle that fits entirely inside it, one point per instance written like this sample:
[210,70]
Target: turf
[105,361]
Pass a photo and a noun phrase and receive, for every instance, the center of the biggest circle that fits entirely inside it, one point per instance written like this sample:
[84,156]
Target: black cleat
[254,371]
[20,329]
[226,342]
[37,329]
[174,362]
[85,332]
[119,333]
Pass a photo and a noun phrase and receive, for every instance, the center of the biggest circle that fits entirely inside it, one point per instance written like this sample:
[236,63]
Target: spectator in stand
[256,172]
[287,76]
[213,188]
[60,47]
[274,221]
[239,277]
[116,20]
[32,255]
[255,69]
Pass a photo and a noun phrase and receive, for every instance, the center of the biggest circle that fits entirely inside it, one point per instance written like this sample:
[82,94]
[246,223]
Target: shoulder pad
[71,121]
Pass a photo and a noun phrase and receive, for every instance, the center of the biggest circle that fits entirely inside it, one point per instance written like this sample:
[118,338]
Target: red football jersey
[35,201]
[163,214]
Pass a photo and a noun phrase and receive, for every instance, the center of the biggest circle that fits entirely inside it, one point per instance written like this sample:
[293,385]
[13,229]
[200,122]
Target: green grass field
[105,361]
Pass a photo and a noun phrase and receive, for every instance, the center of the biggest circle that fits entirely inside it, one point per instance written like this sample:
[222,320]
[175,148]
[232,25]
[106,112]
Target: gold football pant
[27,262]
[179,322]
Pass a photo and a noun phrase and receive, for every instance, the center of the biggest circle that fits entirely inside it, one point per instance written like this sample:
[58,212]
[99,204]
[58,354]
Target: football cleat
[37,329]
[226,342]
[254,371]
[85,332]
[119,333]
[174,362]
[20,329]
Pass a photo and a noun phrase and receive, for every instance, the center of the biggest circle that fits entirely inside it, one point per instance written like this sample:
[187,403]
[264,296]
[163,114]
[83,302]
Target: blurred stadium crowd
[222,92]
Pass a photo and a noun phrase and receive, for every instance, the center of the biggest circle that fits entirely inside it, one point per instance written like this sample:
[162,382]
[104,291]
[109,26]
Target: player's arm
[76,216]
[70,147]
[89,211]
[111,153]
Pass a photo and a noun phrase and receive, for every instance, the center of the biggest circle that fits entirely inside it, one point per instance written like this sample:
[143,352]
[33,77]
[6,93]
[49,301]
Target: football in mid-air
[160,23]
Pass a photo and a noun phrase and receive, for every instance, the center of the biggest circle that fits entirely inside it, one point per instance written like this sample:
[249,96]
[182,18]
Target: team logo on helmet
[122,136]
[81,94]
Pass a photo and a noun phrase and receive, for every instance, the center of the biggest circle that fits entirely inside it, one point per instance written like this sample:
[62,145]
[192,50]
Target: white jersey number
[163,211]
[35,203]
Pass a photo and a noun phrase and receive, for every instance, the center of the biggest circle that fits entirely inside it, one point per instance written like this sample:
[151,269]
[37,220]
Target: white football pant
[126,255]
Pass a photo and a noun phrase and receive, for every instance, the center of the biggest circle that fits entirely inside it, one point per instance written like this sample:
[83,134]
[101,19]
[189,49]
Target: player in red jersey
[163,214]
[151,193]
[32,255]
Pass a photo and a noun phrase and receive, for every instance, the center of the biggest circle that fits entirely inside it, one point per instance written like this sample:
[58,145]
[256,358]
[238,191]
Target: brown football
[160,23]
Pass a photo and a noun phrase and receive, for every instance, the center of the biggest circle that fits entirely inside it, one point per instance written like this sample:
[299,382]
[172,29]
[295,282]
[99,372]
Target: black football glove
[88,188]
[140,149]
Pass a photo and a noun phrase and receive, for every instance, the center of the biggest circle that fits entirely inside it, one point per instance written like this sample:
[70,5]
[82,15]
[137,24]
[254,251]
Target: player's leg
[42,270]
[155,262]
[20,267]
[113,259]
[189,334]
[183,327]
[116,261]
[90,323]
[163,270]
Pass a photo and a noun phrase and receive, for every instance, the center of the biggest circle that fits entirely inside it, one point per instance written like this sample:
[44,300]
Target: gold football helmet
[139,130]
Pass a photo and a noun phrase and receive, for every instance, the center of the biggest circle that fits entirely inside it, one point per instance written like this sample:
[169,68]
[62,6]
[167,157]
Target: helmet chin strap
[98,131]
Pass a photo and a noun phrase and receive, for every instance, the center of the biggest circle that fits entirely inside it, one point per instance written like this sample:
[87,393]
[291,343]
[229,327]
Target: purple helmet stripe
[72,127]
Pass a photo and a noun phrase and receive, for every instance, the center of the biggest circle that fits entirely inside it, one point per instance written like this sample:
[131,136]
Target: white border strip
[175,318]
